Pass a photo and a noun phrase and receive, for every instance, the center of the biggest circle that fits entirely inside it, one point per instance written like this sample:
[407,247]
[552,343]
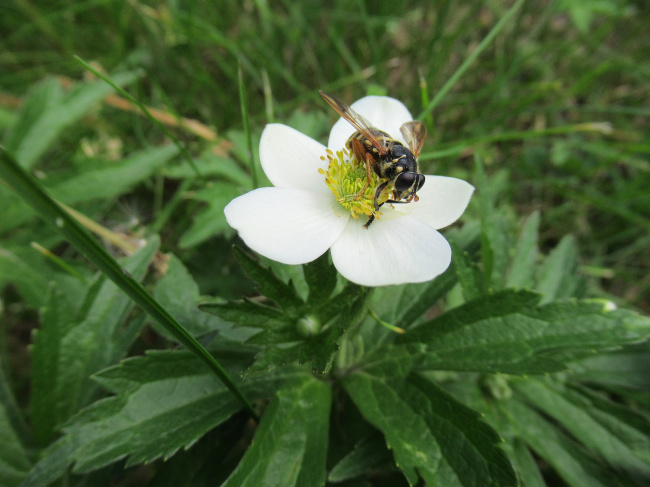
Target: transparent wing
[414,133]
[368,130]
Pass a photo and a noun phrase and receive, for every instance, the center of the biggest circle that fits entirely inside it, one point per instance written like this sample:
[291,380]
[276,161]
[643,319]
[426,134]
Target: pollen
[346,177]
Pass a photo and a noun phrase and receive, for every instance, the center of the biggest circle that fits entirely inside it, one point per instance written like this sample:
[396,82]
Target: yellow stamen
[346,177]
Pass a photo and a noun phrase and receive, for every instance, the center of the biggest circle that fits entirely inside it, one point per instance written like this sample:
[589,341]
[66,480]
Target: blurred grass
[555,64]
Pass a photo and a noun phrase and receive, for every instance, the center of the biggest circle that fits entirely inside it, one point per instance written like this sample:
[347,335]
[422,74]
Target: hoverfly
[388,158]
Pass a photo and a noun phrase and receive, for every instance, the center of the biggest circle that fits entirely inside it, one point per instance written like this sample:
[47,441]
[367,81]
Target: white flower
[299,218]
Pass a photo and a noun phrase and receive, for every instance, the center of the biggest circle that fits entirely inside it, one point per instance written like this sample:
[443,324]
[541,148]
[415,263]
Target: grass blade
[28,189]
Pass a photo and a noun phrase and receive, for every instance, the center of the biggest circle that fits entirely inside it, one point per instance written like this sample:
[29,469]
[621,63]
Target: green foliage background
[513,368]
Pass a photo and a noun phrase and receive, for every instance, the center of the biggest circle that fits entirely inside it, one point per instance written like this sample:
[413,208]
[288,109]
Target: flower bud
[308,326]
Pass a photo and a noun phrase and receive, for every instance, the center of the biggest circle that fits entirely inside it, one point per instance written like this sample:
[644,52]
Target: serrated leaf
[290,445]
[269,284]
[463,436]
[270,359]
[432,435]
[14,461]
[557,277]
[206,463]
[91,344]
[248,313]
[164,401]
[576,465]
[495,232]
[523,265]
[368,454]
[56,323]
[320,276]
[623,447]
[110,182]
[509,332]
[320,350]
[179,294]
[469,274]
[53,463]
[41,127]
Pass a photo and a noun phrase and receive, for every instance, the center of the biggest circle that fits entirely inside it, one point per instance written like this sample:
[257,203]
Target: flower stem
[383,323]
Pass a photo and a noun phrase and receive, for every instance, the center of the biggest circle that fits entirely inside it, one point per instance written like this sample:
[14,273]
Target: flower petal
[442,201]
[394,251]
[288,225]
[385,113]
[290,159]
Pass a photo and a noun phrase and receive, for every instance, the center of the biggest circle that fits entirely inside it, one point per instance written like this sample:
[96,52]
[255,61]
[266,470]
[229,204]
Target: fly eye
[420,182]
[404,181]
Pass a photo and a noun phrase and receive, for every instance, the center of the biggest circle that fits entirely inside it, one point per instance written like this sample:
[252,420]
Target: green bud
[308,326]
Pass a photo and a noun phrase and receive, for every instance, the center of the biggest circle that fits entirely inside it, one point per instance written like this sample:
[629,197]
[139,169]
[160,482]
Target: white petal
[392,251]
[385,113]
[442,201]
[290,159]
[288,225]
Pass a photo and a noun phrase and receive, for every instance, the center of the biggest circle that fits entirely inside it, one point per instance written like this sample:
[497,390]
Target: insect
[388,158]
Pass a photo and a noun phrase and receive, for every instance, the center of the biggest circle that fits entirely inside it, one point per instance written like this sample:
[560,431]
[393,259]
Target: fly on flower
[311,207]
[387,157]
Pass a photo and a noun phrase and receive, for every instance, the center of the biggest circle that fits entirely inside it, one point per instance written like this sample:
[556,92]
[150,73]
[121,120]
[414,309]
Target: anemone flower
[315,206]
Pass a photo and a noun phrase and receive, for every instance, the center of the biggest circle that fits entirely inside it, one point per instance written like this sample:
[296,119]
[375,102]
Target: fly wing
[414,133]
[368,130]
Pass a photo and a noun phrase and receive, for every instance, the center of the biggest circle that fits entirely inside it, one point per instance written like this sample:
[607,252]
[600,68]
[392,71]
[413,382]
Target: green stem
[28,188]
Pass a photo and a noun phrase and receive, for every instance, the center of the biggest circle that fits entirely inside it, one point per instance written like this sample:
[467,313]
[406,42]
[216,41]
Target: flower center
[347,177]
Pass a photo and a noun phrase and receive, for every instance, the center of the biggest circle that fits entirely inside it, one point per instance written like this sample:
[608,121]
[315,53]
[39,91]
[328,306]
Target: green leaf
[626,368]
[56,323]
[210,221]
[576,465]
[110,182]
[525,464]
[250,313]
[164,401]
[91,341]
[368,455]
[206,463]
[42,120]
[509,332]
[290,445]
[622,446]
[557,277]
[27,280]
[179,294]
[409,302]
[523,266]
[495,232]
[469,274]
[432,435]
[14,461]
[210,164]
[269,284]
[42,97]
[320,276]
